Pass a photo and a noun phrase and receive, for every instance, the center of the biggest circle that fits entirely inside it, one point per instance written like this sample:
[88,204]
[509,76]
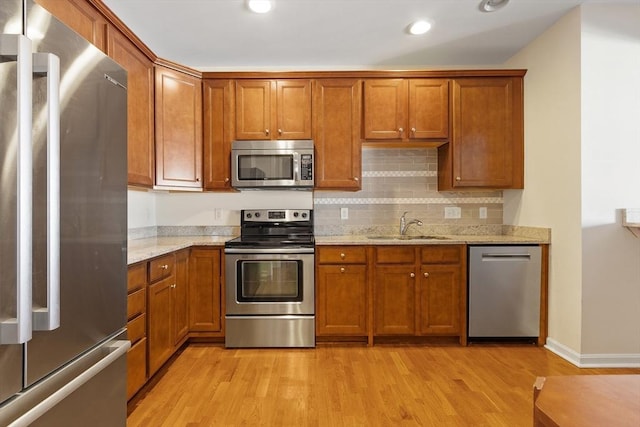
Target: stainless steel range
[270,292]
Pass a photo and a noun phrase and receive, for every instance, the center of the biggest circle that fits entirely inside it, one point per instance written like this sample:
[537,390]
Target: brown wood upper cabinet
[406,110]
[81,17]
[273,109]
[487,144]
[178,129]
[219,111]
[140,107]
[336,134]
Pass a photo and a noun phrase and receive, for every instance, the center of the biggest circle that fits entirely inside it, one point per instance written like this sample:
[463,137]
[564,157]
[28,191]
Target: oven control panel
[276,215]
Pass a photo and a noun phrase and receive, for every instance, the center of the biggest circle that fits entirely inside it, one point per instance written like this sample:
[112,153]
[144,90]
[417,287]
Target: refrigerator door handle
[17,330]
[117,349]
[48,318]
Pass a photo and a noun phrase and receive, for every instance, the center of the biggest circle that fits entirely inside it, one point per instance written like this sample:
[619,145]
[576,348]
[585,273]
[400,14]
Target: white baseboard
[593,360]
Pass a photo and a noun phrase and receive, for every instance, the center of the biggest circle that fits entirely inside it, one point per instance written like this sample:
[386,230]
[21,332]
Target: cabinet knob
[164,267]
[197,179]
[342,255]
[266,132]
[226,179]
[457,178]
[279,131]
[173,286]
[413,130]
[341,269]
[400,130]
[426,274]
[412,275]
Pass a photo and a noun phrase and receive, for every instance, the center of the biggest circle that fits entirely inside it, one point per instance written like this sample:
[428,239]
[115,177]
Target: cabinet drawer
[137,328]
[136,303]
[162,267]
[395,254]
[136,367]
[341,255]
[137,276]
[442,254]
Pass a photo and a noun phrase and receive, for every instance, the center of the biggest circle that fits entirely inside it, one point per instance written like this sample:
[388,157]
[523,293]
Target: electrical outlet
[452,212]
[482,212]
[344,213]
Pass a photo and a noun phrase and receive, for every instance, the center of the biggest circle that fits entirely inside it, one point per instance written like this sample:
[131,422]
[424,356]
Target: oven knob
[257,214]
[295,214]
[249,215]
[304,214]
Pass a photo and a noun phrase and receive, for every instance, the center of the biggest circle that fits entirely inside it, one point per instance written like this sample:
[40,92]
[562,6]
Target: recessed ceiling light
[259,6]
[492,5]
[419,27]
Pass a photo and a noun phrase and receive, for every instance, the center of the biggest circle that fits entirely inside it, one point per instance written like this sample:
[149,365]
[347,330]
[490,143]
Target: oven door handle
[261,251]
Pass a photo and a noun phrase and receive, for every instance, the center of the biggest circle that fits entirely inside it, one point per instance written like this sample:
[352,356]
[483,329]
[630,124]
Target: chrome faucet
[404,224]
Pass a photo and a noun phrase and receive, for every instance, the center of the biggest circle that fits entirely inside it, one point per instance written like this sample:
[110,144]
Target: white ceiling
[214,35]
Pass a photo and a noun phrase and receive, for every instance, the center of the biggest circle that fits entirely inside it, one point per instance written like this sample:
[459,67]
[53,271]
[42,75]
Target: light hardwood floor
[342,385]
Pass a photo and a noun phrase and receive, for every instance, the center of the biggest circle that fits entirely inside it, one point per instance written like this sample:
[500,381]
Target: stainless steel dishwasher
[504,292]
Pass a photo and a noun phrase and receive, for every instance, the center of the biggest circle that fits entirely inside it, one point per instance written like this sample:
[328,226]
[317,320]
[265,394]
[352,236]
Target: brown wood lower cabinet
[136,327]
[418,290]
[205,292]
[341,291]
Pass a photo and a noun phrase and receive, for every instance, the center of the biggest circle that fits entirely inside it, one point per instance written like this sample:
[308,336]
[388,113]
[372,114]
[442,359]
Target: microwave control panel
[306,167]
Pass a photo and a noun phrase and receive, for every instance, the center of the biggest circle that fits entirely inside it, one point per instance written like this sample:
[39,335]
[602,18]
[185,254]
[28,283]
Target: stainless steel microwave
[278,164]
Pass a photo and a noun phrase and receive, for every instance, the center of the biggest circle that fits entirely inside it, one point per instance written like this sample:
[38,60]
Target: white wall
[582,138]
[163,208]
[552,167]
[610,178]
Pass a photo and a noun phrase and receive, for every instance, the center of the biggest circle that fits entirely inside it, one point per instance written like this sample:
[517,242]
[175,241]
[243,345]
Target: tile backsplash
[399,180]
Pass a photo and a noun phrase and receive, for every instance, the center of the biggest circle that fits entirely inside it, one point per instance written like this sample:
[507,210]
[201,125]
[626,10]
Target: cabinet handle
[412,274]
[341,269]
[426,274]
[279,131]
[342,255]
[457,178]
[266,132]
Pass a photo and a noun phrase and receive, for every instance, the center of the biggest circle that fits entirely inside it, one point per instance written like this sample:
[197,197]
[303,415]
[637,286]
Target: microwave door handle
[48,65]
[296,167]
[16,329]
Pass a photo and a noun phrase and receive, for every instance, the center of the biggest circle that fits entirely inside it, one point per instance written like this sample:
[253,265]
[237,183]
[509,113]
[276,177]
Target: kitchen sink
[399,237]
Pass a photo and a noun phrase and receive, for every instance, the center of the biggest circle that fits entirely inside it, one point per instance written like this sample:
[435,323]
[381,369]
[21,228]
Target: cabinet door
[178,129]
[293,109]
[439,299]
[140,108]
[428,109]
[253,109]
[204,291]
[385,108]
[136,367]
[81,17]
[160,318]
[218,133]
[487,141]
[336,124]
[341,307]
[179,298]
[394,299]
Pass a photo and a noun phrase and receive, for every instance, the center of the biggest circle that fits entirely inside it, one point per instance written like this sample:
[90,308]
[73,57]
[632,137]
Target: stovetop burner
[264,228]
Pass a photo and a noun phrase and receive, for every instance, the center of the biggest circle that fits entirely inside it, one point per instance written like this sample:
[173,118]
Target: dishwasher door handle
[490,257]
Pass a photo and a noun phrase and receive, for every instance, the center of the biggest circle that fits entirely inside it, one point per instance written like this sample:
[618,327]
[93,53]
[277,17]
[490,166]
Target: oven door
[269,281]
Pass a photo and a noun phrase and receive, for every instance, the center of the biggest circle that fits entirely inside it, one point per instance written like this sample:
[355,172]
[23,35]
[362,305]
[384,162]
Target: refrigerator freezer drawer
[68,397]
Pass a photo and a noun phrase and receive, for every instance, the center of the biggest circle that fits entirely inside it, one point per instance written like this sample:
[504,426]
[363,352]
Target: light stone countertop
[143,249]
[147,248]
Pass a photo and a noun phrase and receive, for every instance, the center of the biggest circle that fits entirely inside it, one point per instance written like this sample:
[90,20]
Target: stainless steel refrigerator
[63,226]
